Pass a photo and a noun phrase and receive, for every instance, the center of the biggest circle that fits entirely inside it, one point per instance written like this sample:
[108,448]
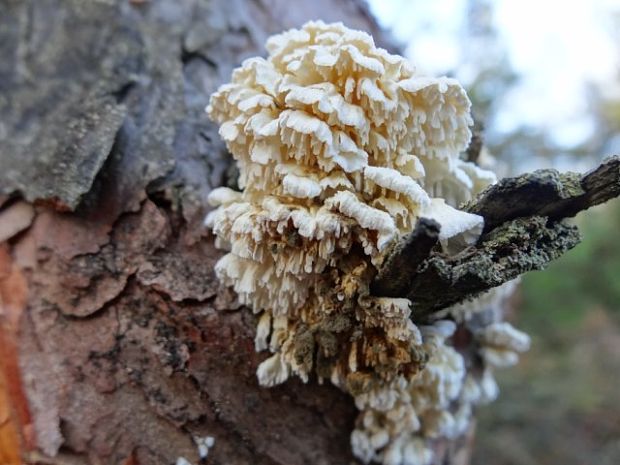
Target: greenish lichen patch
[516,247]
[524,230]
[547,193]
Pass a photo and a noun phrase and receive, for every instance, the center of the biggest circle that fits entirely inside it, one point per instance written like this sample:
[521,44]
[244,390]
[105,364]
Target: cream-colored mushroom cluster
[341,147]
[399,418]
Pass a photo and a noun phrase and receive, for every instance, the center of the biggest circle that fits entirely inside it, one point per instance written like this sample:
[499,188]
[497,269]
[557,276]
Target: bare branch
[523,232]
[515,247]
[547,193]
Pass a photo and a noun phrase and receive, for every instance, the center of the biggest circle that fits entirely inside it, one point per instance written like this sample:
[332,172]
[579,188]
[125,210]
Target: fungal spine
[341,147]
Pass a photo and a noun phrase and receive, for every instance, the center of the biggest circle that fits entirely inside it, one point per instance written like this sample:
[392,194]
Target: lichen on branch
[524,230]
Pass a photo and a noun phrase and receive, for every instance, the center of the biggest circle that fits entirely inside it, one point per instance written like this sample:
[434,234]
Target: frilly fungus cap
[341,147]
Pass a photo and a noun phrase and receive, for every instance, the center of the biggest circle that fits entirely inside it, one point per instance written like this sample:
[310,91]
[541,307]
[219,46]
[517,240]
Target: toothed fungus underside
[341,147]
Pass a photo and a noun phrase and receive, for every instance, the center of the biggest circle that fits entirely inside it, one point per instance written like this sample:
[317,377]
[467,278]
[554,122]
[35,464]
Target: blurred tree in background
[561,405]
[566,387]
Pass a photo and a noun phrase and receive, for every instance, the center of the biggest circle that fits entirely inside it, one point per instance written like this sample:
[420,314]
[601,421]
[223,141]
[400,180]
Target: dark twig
[518,246]
[393,279]
[547,193]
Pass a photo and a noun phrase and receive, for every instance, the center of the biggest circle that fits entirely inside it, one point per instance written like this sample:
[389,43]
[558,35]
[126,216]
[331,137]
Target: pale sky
[557,46]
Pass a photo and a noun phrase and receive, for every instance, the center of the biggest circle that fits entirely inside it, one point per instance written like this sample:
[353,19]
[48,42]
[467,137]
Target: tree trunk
[116,344]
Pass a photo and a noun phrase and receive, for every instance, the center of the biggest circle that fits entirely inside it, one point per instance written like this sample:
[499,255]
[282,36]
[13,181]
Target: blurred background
[544,79]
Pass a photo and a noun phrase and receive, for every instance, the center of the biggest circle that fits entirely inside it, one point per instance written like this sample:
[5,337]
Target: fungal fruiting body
[341,147]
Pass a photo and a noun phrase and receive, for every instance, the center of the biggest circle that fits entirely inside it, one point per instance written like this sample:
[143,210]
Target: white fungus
[341,148]
[204,444]
[501,344]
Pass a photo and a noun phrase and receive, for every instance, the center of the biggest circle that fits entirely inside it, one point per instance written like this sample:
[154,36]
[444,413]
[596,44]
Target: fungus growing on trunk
[341,148]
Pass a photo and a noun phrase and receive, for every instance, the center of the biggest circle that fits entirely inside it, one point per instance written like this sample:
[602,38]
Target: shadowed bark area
[394,277]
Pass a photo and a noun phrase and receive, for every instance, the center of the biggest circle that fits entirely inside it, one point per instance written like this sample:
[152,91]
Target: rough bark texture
[547,193]
[116,344]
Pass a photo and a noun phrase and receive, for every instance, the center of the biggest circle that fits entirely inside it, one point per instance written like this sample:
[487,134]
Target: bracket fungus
[341,148]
